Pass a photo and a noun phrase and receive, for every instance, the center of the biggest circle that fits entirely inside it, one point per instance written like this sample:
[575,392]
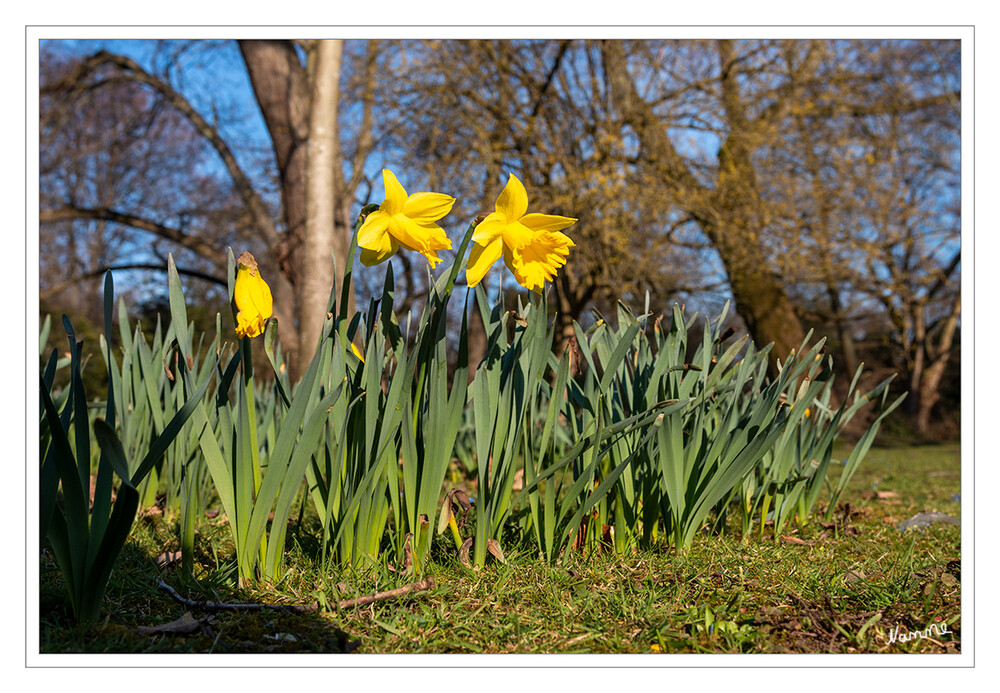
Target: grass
[840,587]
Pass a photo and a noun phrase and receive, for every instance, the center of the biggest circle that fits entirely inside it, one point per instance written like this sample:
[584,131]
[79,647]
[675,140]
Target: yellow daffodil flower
[252,296]
[532,245]
[404,221]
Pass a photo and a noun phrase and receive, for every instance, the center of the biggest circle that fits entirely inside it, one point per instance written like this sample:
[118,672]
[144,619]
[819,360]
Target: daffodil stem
[247,355]
[421,536]
[763,512]
[459,257]
[439,315]
[455,533]
[345,290]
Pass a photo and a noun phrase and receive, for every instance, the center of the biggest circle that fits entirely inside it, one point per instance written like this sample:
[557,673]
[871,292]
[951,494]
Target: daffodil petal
[425,239]
[263,300]
[372,233]
[369,257]
[395,194]
[427,207]
[481,258]
[546,222]
[512,259]
[513,201]
[516,235]
[357,352]
[489,228]
[422,238]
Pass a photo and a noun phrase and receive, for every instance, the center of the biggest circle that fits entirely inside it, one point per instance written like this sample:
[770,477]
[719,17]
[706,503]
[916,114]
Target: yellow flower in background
[532,245]
[357,352]
[252,296]
[404,221]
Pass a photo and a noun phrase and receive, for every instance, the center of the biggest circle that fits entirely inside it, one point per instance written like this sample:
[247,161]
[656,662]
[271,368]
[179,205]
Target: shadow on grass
[140,617]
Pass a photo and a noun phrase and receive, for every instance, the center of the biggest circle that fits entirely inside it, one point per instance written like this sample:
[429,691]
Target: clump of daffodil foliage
[616,440]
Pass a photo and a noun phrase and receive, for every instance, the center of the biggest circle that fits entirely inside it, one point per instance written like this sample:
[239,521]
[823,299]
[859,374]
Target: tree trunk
[285,91]
[848,349]
[765,308]
[318,275]
[279,84]
[930,384]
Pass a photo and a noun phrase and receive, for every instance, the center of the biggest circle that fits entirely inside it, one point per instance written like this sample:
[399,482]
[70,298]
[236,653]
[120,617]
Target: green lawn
[837,587]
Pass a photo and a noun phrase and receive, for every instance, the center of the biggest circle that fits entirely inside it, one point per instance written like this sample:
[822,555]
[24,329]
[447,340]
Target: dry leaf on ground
[185,624]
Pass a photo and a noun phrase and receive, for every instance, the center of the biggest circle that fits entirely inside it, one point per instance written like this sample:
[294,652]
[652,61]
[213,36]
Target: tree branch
[945,275]
[134,266]
[563,46]
[365,139]
[192,243]
[636,112]
[858,110]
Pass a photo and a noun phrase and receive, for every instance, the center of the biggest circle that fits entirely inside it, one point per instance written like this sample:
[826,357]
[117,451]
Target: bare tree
[809,180]
[122,152]
[298,89]
[866,195]
[751,96]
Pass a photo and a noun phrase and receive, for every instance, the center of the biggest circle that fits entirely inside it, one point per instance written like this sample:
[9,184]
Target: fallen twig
[425,584]
[221,606]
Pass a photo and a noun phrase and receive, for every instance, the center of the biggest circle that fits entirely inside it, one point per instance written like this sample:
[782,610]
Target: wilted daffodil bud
[252,296]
